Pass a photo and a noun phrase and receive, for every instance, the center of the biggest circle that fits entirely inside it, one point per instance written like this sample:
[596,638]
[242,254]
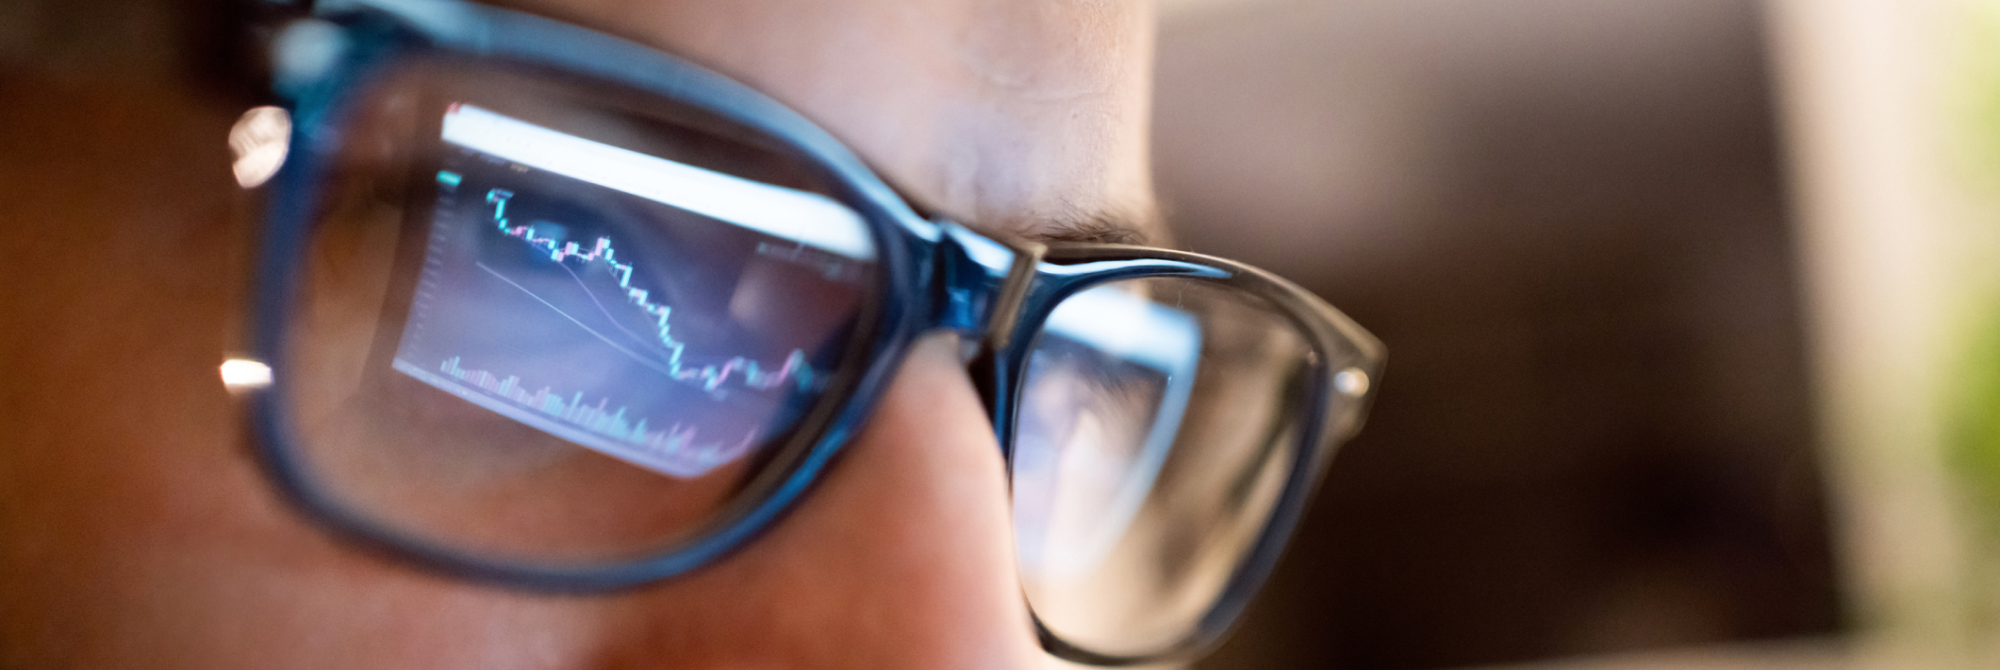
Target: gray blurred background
[1567,219]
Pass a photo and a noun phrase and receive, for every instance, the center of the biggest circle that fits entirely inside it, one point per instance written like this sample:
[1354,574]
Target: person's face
[136,531]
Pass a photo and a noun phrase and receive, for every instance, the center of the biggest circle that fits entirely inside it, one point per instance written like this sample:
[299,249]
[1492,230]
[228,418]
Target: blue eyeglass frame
[936,276]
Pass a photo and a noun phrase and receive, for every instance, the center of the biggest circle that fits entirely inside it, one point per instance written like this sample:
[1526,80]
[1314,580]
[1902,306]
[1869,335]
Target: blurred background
[1567,219]
[1693,307]
[1683,300]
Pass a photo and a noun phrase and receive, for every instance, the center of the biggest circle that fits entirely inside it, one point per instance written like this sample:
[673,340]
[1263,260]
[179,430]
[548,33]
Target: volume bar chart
[675,449]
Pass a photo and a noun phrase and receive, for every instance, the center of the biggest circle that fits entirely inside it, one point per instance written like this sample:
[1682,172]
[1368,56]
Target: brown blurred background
[1567,219]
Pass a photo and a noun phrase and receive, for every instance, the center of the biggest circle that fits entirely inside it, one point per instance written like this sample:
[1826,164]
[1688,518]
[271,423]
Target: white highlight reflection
[242,374]
[259,140]
[808,218]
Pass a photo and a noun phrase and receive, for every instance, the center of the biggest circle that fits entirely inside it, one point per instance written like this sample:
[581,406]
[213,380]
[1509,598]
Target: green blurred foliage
[1974,376]
[1975,422]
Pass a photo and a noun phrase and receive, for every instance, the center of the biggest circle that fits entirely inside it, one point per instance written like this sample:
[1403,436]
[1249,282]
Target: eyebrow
[1100,227]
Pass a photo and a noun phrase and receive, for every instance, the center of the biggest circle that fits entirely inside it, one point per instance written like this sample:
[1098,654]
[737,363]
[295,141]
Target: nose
[901,558]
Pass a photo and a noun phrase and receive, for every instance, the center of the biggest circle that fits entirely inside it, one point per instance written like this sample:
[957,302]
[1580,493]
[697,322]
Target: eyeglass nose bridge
[982,284]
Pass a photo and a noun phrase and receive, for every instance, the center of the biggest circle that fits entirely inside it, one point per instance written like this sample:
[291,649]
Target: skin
[138,531]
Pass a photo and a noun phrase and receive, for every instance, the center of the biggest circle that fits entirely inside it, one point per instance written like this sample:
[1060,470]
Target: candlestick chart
[710,377]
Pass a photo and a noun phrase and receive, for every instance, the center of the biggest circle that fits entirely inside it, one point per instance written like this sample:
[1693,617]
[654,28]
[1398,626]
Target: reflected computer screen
[661,313]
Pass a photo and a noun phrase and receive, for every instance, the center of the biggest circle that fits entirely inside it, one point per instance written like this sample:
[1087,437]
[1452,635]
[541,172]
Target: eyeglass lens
[1158,424]
[538,326]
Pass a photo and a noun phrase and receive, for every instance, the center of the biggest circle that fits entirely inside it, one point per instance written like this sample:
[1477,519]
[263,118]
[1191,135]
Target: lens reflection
[613,299]
[537,328]
[1157,425]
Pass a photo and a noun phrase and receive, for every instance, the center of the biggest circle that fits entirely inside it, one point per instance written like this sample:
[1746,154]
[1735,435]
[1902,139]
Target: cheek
[901,558]
[137,532]
[124,295]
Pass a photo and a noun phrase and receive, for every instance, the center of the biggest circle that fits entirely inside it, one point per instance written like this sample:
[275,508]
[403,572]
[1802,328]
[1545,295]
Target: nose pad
[968,349]
[983,367]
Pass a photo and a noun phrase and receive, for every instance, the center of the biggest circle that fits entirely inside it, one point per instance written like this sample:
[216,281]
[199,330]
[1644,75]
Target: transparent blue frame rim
[935,276]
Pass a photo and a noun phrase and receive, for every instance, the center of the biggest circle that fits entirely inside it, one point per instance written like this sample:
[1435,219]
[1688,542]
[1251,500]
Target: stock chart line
[753,374]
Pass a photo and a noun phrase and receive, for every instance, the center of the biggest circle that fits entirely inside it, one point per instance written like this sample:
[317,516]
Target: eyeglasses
[546,308]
